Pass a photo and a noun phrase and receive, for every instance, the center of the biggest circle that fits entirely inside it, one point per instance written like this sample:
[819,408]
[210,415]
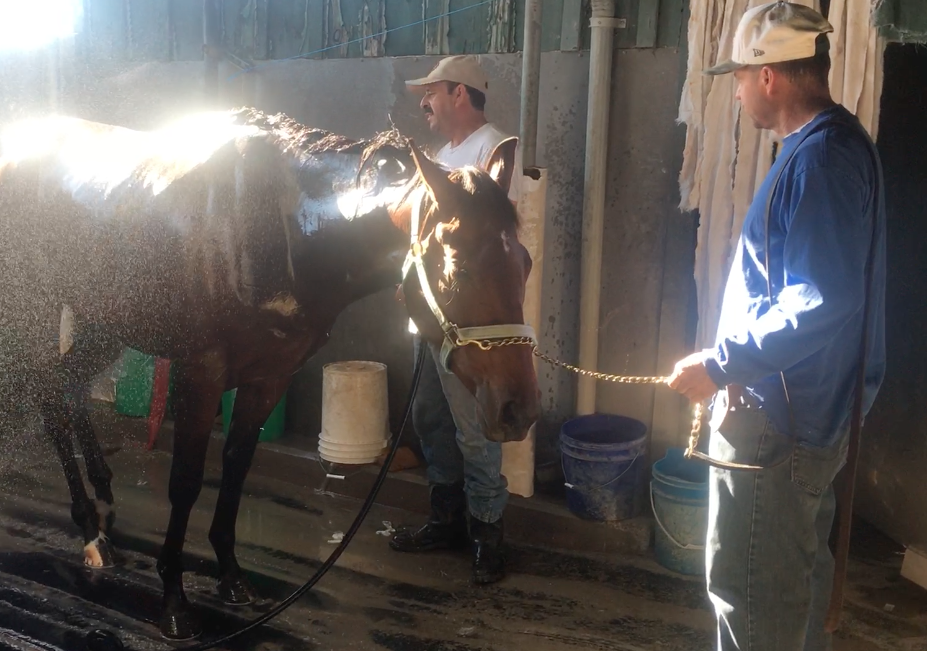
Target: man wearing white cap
[464,468]
[797,318]
[453,100]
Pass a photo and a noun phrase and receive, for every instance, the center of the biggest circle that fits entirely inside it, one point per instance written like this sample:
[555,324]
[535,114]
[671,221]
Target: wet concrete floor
[373,598]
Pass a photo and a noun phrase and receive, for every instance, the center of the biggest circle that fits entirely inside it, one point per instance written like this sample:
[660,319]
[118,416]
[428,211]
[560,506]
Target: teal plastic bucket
[679,498]
[274,426]
[133,388]
[602,468]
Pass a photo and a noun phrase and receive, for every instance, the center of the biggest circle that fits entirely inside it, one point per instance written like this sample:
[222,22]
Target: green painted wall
[904,21]
[255,30]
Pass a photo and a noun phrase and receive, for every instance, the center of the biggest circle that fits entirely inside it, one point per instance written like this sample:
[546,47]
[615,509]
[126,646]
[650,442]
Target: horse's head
[476,271]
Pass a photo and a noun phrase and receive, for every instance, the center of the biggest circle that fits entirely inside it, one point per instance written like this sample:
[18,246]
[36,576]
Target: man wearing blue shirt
[786,362]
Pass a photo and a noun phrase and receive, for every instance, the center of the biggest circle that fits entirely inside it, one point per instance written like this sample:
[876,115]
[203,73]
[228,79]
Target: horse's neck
[347,239]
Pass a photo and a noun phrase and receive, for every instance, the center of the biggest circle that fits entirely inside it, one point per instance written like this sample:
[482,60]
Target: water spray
[104,640]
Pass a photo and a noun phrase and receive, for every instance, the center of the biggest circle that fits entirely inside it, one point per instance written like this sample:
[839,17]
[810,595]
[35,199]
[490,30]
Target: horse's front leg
[98,551]
[253,405]
[98,472]
[198,387]
[92,349]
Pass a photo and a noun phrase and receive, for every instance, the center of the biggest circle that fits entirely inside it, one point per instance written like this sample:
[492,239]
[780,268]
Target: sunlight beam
[33,24]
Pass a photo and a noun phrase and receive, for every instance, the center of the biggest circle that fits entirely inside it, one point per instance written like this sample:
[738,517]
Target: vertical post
[518,457]
[212,52]
[530,83]
[600,78]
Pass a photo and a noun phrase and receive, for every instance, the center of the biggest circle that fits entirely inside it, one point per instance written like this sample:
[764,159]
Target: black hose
[104,640]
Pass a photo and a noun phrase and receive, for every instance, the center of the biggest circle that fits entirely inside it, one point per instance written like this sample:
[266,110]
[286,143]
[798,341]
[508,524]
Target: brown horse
[229,243]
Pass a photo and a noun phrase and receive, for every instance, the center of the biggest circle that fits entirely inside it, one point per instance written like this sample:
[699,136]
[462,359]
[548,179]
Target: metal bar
[530,83]
[237,61]
[171,33]
[260,33]
[647,13]
[212,50]
[571,29]
[436,41]
[130,36]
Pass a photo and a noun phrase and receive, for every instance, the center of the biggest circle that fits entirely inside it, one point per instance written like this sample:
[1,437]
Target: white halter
[485,337]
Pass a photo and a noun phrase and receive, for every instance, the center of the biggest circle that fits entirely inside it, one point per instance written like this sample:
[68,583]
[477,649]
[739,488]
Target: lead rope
[698,414]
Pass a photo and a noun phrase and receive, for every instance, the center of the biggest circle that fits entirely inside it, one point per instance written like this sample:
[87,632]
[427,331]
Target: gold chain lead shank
[487,344]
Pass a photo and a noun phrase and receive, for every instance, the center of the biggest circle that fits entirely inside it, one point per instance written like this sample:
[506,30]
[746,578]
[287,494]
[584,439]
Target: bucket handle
[612,481]
[668,535]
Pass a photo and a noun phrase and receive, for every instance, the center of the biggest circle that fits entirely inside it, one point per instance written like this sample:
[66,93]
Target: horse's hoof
[100,554]
[180,626]
[236,591]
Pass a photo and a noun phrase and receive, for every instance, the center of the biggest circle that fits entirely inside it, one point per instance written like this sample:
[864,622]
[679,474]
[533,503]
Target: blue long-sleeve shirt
[821,226]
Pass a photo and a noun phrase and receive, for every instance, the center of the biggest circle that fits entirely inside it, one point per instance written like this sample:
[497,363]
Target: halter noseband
[485,337]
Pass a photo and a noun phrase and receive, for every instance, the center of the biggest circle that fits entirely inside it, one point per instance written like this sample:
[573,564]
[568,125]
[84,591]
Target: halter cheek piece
[485,337]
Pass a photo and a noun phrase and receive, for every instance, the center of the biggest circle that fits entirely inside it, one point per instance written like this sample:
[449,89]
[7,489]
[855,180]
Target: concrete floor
[373,598]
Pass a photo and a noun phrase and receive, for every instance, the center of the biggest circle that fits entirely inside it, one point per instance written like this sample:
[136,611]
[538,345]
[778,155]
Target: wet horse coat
[229,243]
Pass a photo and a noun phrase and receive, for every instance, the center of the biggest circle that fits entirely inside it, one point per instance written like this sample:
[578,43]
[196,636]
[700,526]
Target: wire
[362,39]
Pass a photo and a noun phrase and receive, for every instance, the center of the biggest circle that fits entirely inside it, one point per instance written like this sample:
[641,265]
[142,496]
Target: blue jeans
[445,416]
[768,563]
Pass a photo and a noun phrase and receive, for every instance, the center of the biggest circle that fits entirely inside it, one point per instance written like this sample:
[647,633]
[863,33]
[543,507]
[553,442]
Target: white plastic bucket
[355,412]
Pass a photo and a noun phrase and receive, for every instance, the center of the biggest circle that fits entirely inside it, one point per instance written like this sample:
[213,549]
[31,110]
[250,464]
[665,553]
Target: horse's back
[130,227]
[113,171]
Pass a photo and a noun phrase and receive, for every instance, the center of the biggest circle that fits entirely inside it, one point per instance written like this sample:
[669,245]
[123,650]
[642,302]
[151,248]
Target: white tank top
[477,149]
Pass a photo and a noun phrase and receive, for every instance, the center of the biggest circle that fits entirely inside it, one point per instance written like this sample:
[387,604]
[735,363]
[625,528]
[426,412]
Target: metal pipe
[530,83]
[600,77]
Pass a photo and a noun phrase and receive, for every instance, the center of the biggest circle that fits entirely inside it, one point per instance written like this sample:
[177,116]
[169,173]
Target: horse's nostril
[510,413]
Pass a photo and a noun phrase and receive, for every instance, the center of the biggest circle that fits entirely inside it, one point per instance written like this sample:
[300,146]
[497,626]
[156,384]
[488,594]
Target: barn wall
[645,323]
[256,30]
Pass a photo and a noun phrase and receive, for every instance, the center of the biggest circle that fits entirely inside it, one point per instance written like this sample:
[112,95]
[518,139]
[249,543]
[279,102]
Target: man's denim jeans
[446,417]
[768,563]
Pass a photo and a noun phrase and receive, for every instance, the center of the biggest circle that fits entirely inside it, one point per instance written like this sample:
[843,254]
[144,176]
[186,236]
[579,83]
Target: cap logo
[758,53]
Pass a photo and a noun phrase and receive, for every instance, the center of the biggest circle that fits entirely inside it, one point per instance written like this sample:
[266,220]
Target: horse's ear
[435,178]
[501,165]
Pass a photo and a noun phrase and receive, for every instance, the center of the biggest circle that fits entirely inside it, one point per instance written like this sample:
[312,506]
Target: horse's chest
[275,351]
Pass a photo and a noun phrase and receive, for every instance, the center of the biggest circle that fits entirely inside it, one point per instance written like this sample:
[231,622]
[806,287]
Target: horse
[229,242]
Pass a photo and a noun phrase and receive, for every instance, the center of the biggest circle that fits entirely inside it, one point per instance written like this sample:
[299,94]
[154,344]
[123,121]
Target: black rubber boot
[445,529]
[488,552]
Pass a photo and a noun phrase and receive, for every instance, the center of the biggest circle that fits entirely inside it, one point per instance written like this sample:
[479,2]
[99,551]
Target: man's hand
[690,378]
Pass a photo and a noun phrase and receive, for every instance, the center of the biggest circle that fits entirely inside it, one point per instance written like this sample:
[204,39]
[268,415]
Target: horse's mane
[307,140]
[300,139]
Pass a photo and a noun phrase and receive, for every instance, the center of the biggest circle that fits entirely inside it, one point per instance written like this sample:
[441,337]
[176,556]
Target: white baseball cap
[460,69]
[774,33]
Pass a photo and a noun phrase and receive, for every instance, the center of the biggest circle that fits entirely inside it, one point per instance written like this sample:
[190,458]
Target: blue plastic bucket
[679,498]
[602,465]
